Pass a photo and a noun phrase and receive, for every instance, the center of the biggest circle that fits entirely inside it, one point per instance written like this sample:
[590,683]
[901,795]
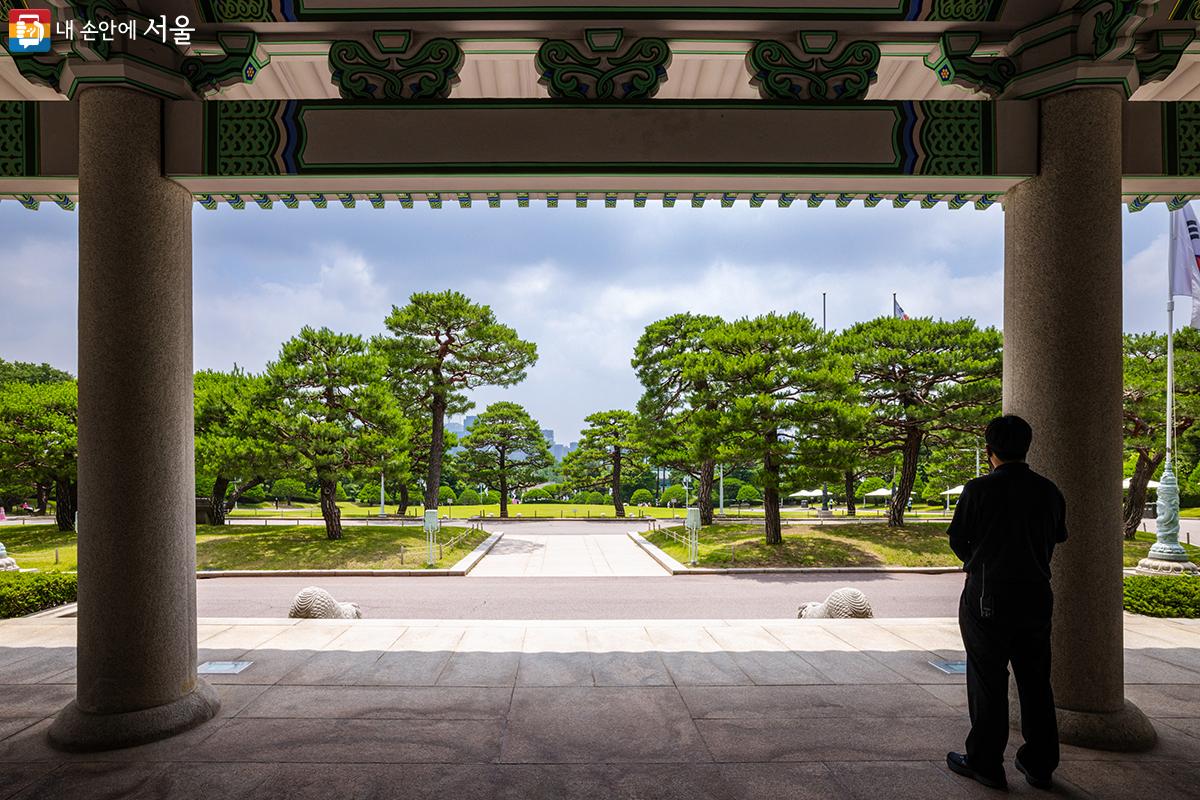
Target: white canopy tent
[957,490]
[807,493]
[1150,485]
[884,492]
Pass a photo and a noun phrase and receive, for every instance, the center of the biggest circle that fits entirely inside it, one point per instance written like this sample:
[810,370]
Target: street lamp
[382,507]
[721,490]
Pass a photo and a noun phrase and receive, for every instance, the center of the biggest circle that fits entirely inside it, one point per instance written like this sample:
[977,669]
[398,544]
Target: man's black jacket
[1008,522]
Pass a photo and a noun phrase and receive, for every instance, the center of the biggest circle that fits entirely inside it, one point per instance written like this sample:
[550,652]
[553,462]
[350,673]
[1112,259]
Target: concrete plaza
[566,549]
[556,709]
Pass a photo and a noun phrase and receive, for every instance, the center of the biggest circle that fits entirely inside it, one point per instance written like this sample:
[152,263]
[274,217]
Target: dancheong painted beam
[283,152]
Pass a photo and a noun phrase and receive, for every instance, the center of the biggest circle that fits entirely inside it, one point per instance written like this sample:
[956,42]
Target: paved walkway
[746,596]
[703,710]
[566,549]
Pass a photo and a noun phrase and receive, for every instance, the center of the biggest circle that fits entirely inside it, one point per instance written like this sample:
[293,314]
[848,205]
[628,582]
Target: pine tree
[442,344]
[505,450]
[327,402]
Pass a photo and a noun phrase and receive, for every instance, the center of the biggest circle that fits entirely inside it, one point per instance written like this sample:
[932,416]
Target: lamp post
[382,507]
[825,485]
[721,491]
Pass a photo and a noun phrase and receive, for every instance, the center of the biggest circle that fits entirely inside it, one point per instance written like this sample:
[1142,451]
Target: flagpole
[1170,375]
[1166,556]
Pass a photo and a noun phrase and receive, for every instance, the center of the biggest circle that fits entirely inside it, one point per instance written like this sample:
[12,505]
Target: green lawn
[1139,548]
[1193,513]
[869,544]
[921,544]
[515,510]
[555,510]
[265,547]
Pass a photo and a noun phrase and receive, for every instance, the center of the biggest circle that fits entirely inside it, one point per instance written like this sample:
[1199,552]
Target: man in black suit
[1004,529]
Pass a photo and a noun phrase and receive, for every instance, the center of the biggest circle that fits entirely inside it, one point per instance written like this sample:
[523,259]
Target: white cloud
[1145,289]
[247,324]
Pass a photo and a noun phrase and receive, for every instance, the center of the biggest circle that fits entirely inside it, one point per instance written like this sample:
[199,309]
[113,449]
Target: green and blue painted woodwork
[820,72]
[18,139]
[607,71]
[933,137]
[393,68]
[358,10]
[243,58]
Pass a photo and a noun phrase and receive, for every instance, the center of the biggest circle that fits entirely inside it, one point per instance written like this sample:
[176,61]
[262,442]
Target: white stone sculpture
[7,564]
[313,602]
[841,604]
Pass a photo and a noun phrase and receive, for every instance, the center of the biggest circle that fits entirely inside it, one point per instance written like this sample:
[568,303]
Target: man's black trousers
[1010,624]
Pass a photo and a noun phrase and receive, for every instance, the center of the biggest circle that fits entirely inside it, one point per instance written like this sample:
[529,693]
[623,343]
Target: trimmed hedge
[1163,595]
[24,593]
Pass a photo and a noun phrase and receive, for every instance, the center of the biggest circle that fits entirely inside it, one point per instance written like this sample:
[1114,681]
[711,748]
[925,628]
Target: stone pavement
[567,549]
[625,709]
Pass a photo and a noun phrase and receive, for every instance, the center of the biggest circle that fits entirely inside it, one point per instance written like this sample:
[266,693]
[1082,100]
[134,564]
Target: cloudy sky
[582,283]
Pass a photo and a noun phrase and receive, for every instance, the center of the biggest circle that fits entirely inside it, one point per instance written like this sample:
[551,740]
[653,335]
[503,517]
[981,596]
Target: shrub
[673,496]
[1163,595]
[468,497]
[536,496]
[641,496]
[339,494]
[491,498]
[289,489]
[256,494]
[24,593]
[368,494]
[446,495]
[748,494]
[597,499]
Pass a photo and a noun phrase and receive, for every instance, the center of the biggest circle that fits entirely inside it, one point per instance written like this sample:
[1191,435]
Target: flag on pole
[1185,258]
[897,311]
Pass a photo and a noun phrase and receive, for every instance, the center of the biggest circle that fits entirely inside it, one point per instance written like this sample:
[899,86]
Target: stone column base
[1158,566]
[1125,731]
[78,731]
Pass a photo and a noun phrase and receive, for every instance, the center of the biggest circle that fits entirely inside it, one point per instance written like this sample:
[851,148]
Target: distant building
[548,435]
[559,451]
[572,447]
[469,422]
[455,427]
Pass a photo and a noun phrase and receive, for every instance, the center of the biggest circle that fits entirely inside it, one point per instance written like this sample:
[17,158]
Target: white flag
[1185,258]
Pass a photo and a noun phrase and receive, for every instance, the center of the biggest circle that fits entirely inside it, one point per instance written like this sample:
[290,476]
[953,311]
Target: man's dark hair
[1009,437]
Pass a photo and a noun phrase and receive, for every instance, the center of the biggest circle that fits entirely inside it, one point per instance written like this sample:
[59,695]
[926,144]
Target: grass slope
[265,547]
[863,544]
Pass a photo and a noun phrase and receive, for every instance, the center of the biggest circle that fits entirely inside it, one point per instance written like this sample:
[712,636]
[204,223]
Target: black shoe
[1036,781]
[957,762]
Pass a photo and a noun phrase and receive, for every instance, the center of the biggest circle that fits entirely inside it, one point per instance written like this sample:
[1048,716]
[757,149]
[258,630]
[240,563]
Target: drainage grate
[223,667]
[950,667]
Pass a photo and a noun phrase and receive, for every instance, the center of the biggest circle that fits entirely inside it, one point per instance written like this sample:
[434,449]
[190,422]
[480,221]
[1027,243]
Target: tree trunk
[908,476]
[329,509]
[850,489]
[771,519]
[403,508]
[503,494]
[231,501]
[216,501]
[43,498]
[618,506]
[66,503]
[1136,500]
[437,443]
[707,468]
